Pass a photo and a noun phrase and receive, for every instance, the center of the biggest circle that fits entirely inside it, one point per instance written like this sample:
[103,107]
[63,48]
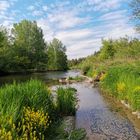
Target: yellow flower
[103,76]
[137,89]
[95,74]
[121,87]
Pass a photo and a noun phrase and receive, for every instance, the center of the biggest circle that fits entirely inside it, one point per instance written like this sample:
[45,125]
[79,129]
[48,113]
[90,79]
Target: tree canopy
[57,59]
[135,4]
[26,50]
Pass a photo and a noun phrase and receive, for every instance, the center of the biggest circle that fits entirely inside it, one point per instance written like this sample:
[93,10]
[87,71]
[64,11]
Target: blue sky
[79,24]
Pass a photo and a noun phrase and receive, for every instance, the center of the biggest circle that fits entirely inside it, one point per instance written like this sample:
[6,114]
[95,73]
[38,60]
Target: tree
[4,50]
[135,4]
[57,59]
[107,51]
[29,44]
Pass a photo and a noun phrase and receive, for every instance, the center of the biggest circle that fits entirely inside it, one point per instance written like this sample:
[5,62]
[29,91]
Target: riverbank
[96,117]
[43,116]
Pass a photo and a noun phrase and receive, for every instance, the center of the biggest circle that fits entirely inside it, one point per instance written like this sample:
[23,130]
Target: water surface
[45,76]
[100,122]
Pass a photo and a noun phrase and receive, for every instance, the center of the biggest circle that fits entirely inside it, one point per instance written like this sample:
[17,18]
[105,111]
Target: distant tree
[135,4]
[74,62]
[57,58]
[30,47]
[107,51]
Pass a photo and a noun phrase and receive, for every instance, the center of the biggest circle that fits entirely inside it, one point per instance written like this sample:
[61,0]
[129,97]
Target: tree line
[24,49]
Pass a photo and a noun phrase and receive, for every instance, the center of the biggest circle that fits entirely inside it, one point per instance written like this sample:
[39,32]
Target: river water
[100,122]
[94,113]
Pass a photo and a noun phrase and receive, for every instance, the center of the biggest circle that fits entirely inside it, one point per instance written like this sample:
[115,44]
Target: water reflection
[46,76]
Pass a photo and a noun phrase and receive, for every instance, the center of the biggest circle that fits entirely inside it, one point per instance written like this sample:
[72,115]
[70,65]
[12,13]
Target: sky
[79,24]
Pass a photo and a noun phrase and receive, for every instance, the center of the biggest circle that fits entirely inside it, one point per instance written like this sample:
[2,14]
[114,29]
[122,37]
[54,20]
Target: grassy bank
[117,66]
[30,111]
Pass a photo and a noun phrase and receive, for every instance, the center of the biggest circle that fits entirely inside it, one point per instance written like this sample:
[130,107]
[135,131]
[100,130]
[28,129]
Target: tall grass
[32,94]
[66,101]
[123,82]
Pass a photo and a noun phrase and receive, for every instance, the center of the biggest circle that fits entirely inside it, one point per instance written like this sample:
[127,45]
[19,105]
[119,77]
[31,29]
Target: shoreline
[117,105]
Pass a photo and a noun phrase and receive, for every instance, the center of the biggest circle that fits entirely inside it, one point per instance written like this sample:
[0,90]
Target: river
[94,113]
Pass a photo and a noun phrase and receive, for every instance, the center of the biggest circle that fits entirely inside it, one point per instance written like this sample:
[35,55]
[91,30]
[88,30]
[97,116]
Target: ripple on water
[95,116]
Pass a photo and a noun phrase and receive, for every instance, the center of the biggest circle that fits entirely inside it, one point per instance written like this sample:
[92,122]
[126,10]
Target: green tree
[107,51]
[57,58]
[4,50]
[30,47]
[135,5]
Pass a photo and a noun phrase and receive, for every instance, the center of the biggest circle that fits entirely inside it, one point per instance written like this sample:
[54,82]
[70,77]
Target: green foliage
[77,78]
[57,59]
[4,50]
[25,50]
[135,5]
[29,44]
[72,63]
[107,51]
[59,132]
[66,101]
[28,112]
[119,60]
[123,82]
[33,94]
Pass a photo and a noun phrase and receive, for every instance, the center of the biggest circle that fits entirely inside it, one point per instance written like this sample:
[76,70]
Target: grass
[66,101]
[33,94]
[117,64]
[123,82]
[28,111]
[77,78]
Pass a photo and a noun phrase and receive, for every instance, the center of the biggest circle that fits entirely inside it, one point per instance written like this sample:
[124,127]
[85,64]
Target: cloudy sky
[79,24]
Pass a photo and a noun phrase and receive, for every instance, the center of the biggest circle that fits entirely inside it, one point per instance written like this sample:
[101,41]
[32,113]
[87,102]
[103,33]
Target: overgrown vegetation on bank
[117,65]
[30,111]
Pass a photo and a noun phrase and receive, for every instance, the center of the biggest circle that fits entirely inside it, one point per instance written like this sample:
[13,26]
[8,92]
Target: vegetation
[77,78]
[28,110]
[117,65]
[73,62]
[26,50]
[66,101]
[57,59]
[135,5]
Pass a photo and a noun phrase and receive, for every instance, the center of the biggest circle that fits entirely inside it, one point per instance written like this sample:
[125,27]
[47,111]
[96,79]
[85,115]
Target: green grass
[33,94]
[123,82]
[35,97]
[77,78]
[66,101]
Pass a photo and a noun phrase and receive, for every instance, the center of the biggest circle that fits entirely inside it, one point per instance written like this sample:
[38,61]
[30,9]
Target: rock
[69,123]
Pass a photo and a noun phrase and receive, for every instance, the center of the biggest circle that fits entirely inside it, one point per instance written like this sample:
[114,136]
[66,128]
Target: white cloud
[45,8]
[66,19]
[4,5]
[78,25]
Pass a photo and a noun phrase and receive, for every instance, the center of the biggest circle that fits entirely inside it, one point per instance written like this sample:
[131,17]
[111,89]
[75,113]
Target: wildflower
[137,89]
[121,87]
[103,76]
